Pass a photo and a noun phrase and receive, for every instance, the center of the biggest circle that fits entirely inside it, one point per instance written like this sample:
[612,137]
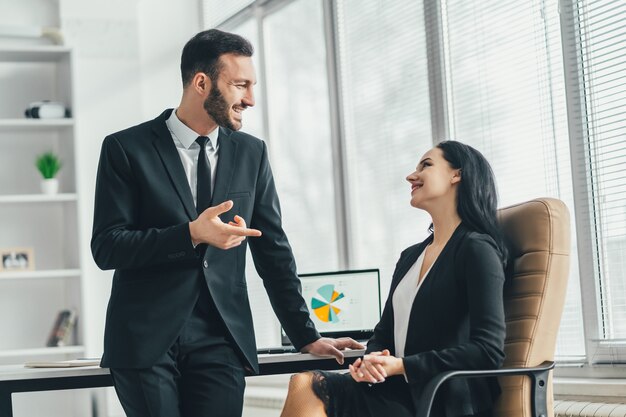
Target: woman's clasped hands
[376,366]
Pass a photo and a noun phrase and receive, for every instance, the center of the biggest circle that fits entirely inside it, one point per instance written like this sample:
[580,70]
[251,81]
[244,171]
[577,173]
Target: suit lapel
[164,145]
[424,297]
[225,167]
[458,233]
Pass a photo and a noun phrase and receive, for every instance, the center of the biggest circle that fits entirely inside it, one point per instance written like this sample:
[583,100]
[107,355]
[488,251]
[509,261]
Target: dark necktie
[203,188]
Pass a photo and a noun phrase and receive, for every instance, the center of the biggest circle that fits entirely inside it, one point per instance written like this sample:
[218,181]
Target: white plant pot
[50,186]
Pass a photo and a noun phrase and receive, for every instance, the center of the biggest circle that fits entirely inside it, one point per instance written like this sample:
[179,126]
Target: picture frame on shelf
[17,259]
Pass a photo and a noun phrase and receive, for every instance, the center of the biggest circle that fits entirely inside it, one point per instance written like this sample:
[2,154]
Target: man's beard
[217,108]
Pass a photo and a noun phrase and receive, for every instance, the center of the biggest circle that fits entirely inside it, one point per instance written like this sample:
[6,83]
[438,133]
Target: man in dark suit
[174,196]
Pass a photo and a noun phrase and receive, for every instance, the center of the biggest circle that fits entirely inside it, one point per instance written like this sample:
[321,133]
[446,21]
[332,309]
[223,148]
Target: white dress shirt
[189,150]
[403,298]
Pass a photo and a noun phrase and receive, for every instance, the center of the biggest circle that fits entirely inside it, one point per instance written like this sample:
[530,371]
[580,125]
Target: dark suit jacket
[143,207]
[456,321]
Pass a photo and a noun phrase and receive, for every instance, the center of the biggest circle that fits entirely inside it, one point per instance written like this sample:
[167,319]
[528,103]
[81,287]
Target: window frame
[598,352]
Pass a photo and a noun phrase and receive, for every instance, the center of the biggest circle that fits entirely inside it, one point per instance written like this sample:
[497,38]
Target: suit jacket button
[206,264]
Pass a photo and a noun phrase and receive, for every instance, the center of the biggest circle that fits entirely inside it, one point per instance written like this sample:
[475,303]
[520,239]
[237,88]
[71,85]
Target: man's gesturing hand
[331,347]
[209,228]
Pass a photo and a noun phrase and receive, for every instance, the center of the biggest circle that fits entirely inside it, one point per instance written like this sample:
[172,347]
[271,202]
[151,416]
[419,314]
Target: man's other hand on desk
[332,347]
[209,228]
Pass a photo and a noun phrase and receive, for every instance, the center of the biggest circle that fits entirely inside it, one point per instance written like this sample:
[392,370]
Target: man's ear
[456,178]
[201,83]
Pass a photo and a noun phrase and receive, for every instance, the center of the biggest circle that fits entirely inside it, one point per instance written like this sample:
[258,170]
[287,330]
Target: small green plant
[48,165]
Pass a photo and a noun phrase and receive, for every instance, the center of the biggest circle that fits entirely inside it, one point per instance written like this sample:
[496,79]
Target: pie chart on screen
[326,303]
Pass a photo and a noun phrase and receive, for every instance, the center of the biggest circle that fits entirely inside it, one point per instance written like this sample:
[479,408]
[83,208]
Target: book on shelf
[61,333]
[74,363]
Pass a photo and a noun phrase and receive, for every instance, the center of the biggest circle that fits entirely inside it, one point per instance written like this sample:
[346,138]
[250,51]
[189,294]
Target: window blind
[506,97]
[299,126]
[385,101]
[299,141]
[266,325]
[216,12]
[252,117]
[602,58]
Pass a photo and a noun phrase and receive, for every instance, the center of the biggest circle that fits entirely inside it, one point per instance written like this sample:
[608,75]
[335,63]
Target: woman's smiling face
[433,180]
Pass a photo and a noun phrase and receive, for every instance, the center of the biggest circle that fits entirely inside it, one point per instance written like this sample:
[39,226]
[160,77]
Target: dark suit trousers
[199,376]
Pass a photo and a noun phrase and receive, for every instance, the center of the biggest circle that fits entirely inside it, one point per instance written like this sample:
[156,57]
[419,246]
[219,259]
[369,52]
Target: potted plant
[49,165]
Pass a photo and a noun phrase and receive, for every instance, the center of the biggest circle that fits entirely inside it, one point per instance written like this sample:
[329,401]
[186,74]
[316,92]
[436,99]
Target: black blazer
[456,321]
[143,205]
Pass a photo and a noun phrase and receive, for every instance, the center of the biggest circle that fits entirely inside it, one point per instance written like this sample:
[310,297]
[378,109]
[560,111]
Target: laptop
[341,304]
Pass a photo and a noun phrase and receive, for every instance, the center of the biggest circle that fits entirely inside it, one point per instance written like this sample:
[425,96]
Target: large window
[506,97]
[266,326]
[299,134]
[594,41]
[357,90]
[216,12]
[292,106]
[253,117]
[293,94]
[385,103]
[603,37]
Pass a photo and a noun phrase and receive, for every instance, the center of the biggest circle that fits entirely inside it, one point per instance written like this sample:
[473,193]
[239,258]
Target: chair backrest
[538,238]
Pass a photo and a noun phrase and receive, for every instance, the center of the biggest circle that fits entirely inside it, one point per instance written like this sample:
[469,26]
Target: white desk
[17,378]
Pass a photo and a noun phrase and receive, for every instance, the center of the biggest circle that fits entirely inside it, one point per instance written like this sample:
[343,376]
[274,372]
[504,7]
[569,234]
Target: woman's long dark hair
[477,198]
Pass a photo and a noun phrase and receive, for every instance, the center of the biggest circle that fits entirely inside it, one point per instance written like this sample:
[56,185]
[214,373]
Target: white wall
[163,31]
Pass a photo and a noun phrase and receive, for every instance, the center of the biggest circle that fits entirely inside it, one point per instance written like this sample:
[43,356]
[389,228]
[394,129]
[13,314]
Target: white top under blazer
[402,301]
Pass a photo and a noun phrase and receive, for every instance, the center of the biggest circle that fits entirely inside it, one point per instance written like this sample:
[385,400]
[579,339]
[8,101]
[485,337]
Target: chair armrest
[538,375]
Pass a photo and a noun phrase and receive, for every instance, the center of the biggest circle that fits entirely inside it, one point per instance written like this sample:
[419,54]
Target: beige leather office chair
[538,238]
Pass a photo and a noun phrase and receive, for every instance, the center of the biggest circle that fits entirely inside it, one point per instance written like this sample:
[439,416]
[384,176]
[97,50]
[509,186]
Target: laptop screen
[344,303]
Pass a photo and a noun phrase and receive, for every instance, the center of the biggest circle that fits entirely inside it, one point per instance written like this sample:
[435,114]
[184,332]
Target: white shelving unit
[34,124]
[31,299]
[34,53]
[38,198]
[51,274]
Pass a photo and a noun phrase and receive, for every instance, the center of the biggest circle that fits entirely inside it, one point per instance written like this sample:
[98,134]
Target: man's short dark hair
[202,53]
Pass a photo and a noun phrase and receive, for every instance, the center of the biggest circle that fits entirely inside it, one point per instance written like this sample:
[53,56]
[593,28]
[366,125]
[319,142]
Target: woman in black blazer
[444,311]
